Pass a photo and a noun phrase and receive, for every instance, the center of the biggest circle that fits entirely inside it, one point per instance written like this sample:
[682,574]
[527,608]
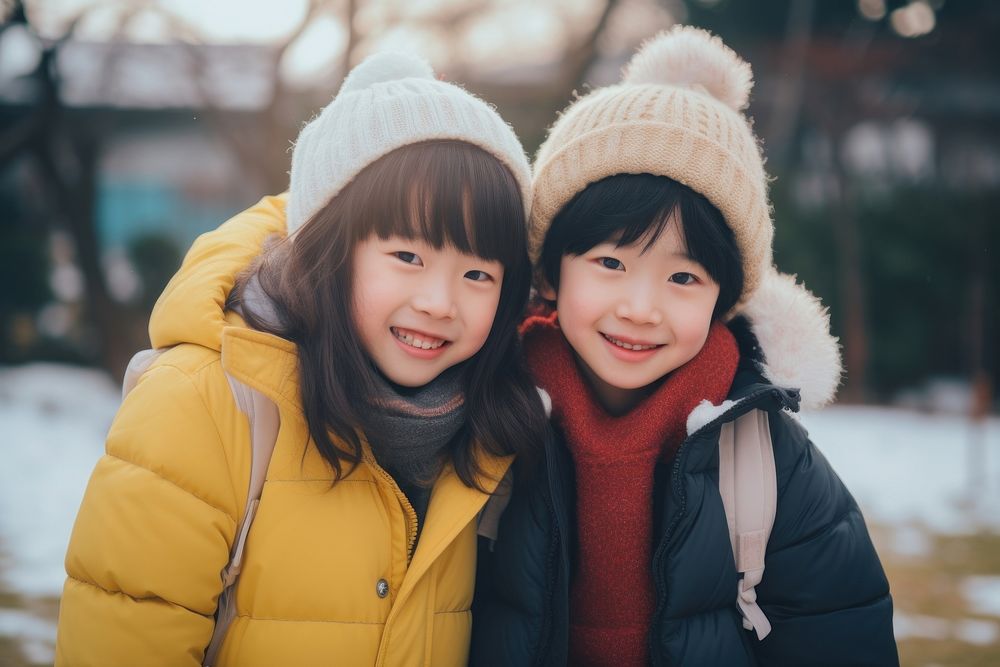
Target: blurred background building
[128,127]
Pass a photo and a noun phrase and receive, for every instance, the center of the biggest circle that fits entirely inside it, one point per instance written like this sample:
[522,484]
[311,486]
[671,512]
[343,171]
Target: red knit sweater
[611,596]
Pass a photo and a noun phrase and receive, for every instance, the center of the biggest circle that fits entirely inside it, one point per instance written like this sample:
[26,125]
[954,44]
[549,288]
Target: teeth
[414,341]
[629,346]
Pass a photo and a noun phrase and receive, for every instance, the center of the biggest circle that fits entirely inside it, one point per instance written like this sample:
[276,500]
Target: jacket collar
[263,361]
[750,391]
[751,387]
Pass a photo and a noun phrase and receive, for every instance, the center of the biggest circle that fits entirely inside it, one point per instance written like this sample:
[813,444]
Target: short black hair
[638,207]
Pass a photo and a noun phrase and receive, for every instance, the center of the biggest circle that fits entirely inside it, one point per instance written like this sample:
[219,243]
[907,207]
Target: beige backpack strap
[489,516]
[262,414]
[138,365]
[749,490]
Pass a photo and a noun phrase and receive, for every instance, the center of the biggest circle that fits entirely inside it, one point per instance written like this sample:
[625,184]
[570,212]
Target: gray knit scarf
[414,426]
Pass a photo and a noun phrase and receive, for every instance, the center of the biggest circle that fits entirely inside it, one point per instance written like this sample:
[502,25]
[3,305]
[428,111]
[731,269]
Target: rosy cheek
[483,327]
[483,322]
[693,329]
[570,299]
[577,295]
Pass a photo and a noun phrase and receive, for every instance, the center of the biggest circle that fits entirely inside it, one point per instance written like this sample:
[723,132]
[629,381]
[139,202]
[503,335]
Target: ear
[545,290]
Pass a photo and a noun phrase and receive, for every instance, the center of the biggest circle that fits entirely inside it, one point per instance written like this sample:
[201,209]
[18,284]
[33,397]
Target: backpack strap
[489,517]
[137,365]
[488,523]
[262,414]
[748,486]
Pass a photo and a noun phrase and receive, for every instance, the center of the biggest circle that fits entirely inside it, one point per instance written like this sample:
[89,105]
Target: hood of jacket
[191,308]
[792,329]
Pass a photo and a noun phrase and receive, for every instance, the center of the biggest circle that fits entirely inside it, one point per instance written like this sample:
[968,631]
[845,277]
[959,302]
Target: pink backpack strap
[262,414]
[749,490]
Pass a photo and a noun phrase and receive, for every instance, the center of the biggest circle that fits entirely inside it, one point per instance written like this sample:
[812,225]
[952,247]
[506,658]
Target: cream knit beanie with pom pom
[676,113]
[389,101]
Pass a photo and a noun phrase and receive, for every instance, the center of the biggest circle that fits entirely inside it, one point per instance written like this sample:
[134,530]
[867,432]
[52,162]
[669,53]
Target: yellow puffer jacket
[161,510]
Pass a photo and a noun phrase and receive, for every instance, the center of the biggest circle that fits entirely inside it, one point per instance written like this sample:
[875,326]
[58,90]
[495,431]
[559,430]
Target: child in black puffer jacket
[651,234]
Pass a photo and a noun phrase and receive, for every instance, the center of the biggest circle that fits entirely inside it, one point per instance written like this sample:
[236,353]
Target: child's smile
[420,344]
[630,349]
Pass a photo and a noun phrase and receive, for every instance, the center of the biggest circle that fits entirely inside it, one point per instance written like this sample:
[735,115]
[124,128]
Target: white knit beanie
[676,113]
[389,101]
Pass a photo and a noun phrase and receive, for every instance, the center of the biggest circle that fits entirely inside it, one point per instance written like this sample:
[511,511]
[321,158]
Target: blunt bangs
[631,208]
[445,193]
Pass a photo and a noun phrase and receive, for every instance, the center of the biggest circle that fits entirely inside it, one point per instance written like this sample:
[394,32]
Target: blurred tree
[822,68]
[64,148]
[263,148]
[155,257]
[24,275]
[65,155]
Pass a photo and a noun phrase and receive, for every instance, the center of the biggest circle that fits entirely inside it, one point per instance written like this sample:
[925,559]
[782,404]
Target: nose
[434,298]
[639,307]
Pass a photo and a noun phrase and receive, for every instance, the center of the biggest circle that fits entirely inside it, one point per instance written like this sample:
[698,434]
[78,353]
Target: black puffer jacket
[823,590]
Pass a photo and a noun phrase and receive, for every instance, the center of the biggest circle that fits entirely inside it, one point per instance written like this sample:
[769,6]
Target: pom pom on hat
[384,67]
[692,58]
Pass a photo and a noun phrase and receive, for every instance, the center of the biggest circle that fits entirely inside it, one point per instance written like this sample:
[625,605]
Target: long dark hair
[446,193]
[638,207]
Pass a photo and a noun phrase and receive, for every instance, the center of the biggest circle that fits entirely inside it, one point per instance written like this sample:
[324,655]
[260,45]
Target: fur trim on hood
[793,330]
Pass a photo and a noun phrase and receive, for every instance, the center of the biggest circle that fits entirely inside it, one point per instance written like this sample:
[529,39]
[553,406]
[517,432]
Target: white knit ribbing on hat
[677,113]
[389,101]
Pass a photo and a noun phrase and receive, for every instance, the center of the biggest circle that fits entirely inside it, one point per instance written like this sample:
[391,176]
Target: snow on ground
[53,420]
[36,635]
[969,630]
[909,470]
[983,594]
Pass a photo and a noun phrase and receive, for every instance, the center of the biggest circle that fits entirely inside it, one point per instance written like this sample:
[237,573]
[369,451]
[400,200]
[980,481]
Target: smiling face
[634,313]
[420,310]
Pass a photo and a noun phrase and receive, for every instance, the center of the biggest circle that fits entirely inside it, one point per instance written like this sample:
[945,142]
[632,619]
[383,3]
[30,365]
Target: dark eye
[611,263]
[408,257]
[478,276]
[683,278]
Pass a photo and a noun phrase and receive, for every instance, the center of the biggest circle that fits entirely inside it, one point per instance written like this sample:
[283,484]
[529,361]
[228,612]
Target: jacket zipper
[410,515]
[541,658]
[659,581]
[560,533]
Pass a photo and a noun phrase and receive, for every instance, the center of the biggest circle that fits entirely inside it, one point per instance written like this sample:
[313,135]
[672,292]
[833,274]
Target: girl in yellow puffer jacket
[383,327]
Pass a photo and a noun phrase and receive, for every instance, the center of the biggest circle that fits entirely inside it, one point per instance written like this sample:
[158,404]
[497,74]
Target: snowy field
[914,474]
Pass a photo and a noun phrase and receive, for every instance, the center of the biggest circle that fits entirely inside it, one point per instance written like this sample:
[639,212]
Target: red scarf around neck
[612,593]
